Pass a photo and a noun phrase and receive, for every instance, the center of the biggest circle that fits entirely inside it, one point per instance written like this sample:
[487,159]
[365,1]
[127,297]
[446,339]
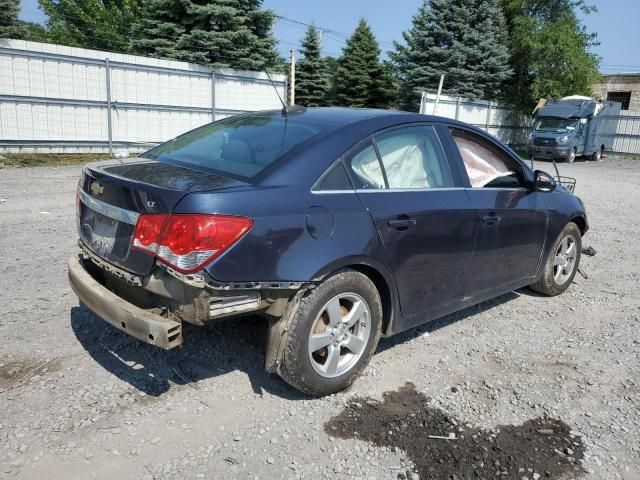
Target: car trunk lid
[113,194]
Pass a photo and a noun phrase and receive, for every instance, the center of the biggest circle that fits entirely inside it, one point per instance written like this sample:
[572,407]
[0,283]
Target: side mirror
[543,182]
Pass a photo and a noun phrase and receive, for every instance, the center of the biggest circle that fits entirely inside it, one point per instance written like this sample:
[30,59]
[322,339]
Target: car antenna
[285,112]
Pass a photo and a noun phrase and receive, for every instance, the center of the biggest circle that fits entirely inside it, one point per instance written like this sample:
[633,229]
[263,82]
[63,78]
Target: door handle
[402,223]
[490,220]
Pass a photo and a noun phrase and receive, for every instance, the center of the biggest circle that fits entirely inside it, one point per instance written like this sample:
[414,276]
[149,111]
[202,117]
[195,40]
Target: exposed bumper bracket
[141,324]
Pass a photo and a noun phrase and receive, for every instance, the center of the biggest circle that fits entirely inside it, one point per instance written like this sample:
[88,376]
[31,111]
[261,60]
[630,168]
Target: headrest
[237,151]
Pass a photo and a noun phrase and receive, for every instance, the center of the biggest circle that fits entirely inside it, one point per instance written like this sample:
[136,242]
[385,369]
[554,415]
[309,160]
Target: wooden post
[292,84]
[435,105]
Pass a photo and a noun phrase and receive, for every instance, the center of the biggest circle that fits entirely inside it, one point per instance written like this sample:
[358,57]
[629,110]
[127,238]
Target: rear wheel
[597,155]
[332,334]
[562,264]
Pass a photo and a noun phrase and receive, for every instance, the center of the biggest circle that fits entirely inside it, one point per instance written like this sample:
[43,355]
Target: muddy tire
[562,264]
[331,334]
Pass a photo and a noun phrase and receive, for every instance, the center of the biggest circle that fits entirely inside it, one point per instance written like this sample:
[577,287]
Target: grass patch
[49,159]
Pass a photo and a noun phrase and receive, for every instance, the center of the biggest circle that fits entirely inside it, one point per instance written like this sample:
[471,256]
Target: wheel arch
[581,222]
[381,278]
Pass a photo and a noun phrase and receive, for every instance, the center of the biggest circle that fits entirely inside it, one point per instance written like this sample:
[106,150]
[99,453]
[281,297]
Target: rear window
[238,147]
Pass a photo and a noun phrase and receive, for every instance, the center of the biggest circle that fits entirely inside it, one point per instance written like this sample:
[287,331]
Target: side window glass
[413,158]
[485,164]
[367,174]
[335,179]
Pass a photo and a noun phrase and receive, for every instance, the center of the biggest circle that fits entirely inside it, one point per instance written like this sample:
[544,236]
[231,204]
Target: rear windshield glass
[553,124]
[239,147]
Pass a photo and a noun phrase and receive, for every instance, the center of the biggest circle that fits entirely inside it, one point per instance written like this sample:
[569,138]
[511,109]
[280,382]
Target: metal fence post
[457,108]
[213,96]
[109,124]
[488,117]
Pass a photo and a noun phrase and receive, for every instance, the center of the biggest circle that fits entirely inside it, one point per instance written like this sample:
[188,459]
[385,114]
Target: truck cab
[571,127]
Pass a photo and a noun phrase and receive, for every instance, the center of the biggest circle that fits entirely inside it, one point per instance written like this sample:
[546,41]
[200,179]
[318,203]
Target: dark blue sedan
[339,226]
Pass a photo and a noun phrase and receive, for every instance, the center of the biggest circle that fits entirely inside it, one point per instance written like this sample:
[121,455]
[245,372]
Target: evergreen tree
[464,40]
[218,33]
[331,67]
[312,80]
[550,51]
[361,80]
[99,24]
[9,10]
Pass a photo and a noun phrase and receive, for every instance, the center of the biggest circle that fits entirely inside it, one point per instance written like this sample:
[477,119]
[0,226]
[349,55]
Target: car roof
[340,116]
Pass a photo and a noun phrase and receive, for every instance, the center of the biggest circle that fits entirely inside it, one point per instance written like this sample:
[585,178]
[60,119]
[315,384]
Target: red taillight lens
[187,242]
[147,233]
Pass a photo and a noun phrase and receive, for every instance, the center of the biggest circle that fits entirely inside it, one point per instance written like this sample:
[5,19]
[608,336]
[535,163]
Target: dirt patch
[540,448]
[49,159]
[13,370]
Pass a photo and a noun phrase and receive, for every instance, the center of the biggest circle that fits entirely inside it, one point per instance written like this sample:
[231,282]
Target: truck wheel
[562,264]
[332,334]
[597,155]
[572,156]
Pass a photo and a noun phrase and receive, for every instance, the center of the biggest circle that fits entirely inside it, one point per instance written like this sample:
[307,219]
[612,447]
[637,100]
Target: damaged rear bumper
[137,322]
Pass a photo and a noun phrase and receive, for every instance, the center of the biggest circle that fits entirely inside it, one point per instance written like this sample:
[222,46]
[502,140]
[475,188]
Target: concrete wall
[620,83]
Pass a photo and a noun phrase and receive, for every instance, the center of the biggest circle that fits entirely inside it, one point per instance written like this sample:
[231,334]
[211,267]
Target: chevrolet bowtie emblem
[96,188]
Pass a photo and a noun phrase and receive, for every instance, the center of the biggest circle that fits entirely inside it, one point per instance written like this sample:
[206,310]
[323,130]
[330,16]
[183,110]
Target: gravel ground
[82,400]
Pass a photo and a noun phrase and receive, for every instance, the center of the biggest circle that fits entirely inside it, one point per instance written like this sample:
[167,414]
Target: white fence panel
[513,129]
[492,117]
[55,98]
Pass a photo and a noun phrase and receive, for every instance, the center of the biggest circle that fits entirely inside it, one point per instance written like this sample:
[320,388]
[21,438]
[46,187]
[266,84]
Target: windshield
[239,147]
[553,124]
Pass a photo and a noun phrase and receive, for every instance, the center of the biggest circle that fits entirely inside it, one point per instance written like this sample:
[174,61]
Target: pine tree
[99,24]
[462,39]
[361,80]
[312,80]
[218,33]
[9,10]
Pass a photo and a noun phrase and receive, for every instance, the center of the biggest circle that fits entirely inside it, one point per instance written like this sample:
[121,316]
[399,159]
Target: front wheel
[562,264]
[332,334]
[572,156]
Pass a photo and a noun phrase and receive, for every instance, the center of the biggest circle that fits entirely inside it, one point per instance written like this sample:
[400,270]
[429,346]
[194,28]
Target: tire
[571,157]
[552,282]
[597,155]
[312,372]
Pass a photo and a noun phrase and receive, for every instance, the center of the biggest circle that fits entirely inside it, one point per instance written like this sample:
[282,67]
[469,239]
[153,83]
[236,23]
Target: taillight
[187,242]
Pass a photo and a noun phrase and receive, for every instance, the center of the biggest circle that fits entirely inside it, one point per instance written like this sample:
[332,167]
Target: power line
[340,35]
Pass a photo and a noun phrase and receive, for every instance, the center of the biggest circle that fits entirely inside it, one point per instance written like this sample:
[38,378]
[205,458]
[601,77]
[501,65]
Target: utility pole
[292,83]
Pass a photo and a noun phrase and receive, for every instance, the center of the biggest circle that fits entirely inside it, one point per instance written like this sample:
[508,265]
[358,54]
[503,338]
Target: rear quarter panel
[296,236]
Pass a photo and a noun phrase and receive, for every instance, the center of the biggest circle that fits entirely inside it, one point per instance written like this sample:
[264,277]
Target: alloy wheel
[339,335]
[565,260]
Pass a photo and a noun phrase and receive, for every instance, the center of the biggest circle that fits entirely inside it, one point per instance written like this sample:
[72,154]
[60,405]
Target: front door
[422,214]
[512,217]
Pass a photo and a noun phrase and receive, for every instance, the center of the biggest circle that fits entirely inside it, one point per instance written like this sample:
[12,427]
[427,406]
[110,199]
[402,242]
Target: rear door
[512,216]
[422,214]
